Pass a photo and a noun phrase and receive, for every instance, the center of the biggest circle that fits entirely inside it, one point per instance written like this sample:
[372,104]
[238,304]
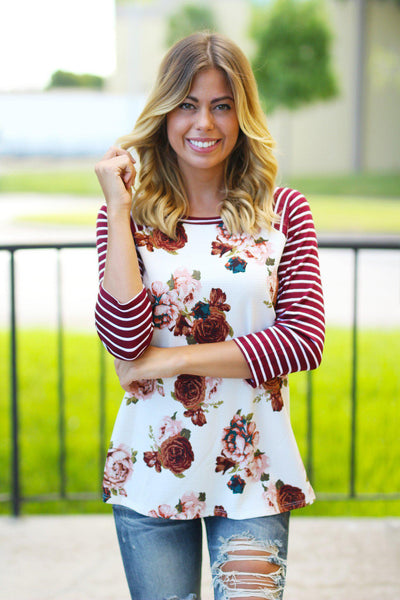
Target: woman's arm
[296,339]
[123,310]
[220,359]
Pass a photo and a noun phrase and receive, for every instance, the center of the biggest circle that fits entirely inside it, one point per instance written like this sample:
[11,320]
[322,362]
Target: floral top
[188,446]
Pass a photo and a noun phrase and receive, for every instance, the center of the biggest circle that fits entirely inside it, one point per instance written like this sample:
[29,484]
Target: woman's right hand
[116,173]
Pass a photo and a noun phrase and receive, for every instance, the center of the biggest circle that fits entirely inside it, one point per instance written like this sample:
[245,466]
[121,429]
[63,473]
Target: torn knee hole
[250,568]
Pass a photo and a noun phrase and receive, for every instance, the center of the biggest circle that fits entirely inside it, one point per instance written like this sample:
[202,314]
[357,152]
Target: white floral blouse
[190,446]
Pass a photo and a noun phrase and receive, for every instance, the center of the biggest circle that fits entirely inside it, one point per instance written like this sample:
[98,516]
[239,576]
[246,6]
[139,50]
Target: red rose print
[152,459]
[176,454]
[290,497]
[182,327]
[218,298]
[142,388]
[273,387]
[213,328]
[190,390]
[161,240]
[144,239]
[219,511]
[197,416]
[219,248]
[224,464]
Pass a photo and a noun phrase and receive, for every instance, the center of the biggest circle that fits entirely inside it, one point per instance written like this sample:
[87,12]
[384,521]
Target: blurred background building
[357,130]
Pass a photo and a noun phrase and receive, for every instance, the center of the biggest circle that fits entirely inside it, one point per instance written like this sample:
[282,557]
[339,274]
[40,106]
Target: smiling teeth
[203,144]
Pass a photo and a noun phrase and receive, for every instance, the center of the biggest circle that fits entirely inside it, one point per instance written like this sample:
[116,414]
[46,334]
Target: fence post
[353,440]
[310,428]
[61,387]
[16,492]
[102,419]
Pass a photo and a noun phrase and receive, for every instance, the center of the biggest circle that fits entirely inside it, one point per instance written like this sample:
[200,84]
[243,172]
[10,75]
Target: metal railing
[354,244]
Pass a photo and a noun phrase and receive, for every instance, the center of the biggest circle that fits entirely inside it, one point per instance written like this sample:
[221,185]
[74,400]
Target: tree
[68,79]
[188,19]
[292,60]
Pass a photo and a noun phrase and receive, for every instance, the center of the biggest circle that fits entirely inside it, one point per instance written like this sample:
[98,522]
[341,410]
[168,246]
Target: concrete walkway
[77,558]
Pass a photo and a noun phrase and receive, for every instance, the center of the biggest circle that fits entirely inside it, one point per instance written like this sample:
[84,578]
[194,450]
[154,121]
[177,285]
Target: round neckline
[202,220]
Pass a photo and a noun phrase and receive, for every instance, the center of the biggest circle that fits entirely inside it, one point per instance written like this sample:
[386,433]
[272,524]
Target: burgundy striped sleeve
[126,328]
[295,341]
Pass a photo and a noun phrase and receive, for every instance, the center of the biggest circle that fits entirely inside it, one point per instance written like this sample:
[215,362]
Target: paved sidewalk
[77,558]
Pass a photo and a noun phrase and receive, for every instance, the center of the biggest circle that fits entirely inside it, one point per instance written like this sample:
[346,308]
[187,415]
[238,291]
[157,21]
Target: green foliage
[68,79]
[292,61]
[188,19]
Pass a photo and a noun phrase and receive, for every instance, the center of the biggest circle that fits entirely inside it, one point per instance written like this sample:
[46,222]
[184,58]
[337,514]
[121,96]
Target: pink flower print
[270,495]
[259,250]
[142,389]
[118,468]
[191,506]
[168,428]
[239,242]
[164,511]
[257,466]
[166,304]
[212,384]
[240,440]
[185,284]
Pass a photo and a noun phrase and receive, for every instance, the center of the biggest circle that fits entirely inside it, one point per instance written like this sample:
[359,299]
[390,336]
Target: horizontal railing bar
[56,496]
[96,496]
[47,246]
[368,242]
[382,496]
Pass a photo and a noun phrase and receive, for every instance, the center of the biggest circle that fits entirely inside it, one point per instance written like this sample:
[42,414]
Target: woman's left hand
[152,364]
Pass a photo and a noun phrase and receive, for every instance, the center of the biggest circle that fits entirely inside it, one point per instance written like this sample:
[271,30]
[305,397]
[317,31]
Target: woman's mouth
[206,145]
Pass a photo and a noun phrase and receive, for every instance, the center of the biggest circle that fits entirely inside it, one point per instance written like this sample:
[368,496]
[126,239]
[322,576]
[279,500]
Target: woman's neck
[205,194]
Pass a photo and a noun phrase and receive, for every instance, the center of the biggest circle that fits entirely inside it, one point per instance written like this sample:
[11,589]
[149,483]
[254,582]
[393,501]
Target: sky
[38,37]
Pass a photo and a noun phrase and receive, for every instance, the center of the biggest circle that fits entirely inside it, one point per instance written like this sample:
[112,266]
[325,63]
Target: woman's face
[204,129]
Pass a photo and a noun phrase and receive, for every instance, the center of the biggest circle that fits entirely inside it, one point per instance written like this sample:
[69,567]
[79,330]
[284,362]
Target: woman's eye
[186,106]
[223,107]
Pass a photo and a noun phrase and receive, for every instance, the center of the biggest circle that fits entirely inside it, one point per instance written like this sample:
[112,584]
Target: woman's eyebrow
[194,99]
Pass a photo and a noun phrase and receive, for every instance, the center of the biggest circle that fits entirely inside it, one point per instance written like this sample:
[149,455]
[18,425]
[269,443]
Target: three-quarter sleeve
[295,341]
[126,328]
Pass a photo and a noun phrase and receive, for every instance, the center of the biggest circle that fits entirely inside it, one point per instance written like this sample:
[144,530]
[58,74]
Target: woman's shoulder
[290,205]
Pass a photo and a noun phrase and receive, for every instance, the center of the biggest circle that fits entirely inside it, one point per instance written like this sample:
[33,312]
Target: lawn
[367,203]
[84,182]
[331,214]
[378,420]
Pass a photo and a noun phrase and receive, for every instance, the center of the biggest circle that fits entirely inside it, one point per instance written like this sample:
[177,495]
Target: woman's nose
[205,120]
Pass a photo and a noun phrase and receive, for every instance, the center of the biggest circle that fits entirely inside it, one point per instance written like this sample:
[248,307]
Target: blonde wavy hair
[159,199]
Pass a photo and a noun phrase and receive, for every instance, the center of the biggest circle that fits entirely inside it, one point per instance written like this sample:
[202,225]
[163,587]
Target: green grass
[82,183]
[378,450]
[367,203]
[354,214]
[72,219]
[384,185]
[346,214]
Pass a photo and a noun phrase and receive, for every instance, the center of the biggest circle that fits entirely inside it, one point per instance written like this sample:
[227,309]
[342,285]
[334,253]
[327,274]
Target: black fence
[356,245]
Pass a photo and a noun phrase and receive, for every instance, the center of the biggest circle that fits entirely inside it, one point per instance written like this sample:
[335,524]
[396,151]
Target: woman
[210,295]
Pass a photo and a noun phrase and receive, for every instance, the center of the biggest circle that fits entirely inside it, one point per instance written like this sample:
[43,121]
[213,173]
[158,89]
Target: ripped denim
[162,557]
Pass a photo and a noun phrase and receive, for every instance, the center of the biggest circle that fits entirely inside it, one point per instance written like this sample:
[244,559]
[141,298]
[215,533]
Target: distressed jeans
[162,557]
